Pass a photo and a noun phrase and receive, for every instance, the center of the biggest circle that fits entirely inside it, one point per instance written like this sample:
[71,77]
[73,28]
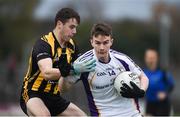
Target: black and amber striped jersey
[47,47]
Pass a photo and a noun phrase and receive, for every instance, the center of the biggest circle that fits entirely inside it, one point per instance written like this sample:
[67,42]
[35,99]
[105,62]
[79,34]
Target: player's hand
[134,92]
[84,65]
[63,65]
[162,95]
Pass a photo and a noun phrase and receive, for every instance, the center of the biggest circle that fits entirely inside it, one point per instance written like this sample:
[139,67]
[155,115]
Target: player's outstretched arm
[79,66]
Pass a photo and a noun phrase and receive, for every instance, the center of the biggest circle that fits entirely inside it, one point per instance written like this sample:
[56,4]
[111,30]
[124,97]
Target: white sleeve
[133,66]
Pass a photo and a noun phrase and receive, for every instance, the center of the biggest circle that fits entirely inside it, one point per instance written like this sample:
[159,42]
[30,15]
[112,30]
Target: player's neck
[105,59]
[61,42]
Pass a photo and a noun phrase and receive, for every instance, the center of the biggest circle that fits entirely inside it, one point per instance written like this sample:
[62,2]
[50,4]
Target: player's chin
[67,39]
[102,54]
[102,57]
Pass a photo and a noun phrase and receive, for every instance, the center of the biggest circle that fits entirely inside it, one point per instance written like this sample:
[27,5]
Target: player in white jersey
[102,96]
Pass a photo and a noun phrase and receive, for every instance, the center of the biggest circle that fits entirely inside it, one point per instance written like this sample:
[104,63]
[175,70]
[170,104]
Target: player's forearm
[51,74]
[144,82]
[48,73]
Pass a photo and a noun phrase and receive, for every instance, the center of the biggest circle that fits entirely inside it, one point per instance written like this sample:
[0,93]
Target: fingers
[134,85]
[126,86]
[90,65]
[91,61]
[123,89]
[84,65]
[123,94]
[87,62]
[90,70]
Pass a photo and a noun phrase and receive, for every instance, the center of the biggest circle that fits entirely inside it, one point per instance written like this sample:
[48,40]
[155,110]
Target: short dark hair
[101,29]
[65,14]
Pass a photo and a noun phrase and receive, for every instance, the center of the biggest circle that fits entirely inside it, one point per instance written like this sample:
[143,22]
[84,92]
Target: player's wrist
[74,69]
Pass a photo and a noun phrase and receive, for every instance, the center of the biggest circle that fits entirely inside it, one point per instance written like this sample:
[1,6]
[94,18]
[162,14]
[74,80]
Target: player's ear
[59,24]
[91,41]
[112,41]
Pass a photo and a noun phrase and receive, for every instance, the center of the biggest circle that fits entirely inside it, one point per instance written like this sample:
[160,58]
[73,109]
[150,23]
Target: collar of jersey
[102,61]
[56,42]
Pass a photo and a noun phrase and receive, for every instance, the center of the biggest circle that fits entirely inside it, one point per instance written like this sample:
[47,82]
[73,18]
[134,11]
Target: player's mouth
[101,52]
[71,36]
[68,38]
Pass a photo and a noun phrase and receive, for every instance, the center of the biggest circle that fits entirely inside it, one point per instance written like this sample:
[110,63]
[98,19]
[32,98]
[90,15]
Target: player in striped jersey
[102,96]
[50,59]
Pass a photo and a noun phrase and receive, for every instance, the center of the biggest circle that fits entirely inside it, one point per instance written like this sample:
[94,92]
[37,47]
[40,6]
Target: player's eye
[106,42]
[97,43]
[72,27]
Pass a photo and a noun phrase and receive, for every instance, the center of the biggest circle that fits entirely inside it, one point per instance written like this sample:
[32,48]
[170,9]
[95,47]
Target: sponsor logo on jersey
[101,74]
[52,82]
[105,86]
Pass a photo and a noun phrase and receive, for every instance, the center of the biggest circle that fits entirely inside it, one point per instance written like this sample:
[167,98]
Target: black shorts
[55,103]
[161,108]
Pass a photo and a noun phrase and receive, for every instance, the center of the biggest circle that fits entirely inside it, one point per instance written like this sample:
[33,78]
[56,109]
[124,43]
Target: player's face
[151,59]
[68,30]
[102,44]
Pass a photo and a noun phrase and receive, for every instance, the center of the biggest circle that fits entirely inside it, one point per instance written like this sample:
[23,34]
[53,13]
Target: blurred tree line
[130,37]
[18,27]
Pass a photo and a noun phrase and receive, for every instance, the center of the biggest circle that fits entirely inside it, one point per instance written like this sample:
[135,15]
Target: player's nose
[101,47]
[74,31]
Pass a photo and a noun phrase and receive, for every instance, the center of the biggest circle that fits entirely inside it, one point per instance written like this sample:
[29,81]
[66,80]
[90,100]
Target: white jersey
[102,96]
